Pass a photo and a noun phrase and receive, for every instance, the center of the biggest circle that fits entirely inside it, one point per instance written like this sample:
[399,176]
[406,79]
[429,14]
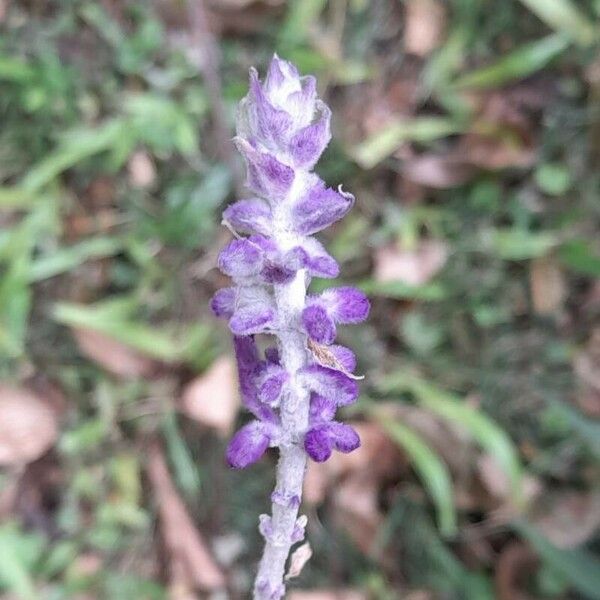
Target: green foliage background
[85,85]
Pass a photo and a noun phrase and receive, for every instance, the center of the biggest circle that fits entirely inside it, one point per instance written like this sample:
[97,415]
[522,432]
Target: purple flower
[248,444]
[320,441]
[271,384]
[344,356]
[328,382]
[282,130]
[320,207]
[249,216]
[337,305]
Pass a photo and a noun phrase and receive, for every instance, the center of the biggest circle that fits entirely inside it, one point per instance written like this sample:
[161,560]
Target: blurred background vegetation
[469,131]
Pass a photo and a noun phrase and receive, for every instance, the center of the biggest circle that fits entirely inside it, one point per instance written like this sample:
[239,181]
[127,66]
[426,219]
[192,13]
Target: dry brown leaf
[213,399]
[494,152]
[87,564]
[588,401]
[142,172]
[114,356]
[327,595]
[28,426]
[357,510]
[437,171]
[502,133]
[516,566]
[497,482]
[190,562]
[413,267]
[494,477]
[3,10]
[548,288]
[449,440]
[567,518]
[177,591]
[99,194]
[424,28]
[300,556]
[587,363]
[378,104]
[587,367]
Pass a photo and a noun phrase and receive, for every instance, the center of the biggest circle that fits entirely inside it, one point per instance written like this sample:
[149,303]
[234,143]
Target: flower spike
[293,389]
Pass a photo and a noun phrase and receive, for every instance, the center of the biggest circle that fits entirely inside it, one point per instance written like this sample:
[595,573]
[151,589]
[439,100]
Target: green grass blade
[187,472]
[382,144]
[519,63]
[579,567]
[15,70]
[15,306]
[520,244]
[18,553]
[430,468]
[488,434]
[301,15]
[15,198]
[65,259]
[580,257]
[403,291]
[151,341]
[79,145]
[563,16]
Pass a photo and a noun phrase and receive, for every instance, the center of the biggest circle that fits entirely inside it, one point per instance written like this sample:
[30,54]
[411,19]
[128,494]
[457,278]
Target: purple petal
[223,302]
[317,261]
[275,76]
[278,267]
[344,356]
[240,258]
[248,445]
[246,355]
[274,272]
[249,366]
[322,439]
[321,409]
[345,439]
[273,124]
[309,143]
[330,383]
[266,175]
[272,384]
[252,216]
[272,355]
[295,258]
[301,104]
[246,352]
[250,320]
[346,304]
[318,443]
[282,78]
[319,208]
[318,324]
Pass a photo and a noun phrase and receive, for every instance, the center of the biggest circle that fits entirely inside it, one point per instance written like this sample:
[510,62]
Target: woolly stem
[294,413]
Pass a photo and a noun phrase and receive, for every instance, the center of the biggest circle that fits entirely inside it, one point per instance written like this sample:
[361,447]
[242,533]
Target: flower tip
[320,441]
[247,445]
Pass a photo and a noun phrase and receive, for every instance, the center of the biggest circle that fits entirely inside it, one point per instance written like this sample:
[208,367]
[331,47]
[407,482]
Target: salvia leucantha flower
[294,387]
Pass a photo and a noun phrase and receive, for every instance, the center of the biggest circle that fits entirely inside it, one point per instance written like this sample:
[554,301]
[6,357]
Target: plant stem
[294,413]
